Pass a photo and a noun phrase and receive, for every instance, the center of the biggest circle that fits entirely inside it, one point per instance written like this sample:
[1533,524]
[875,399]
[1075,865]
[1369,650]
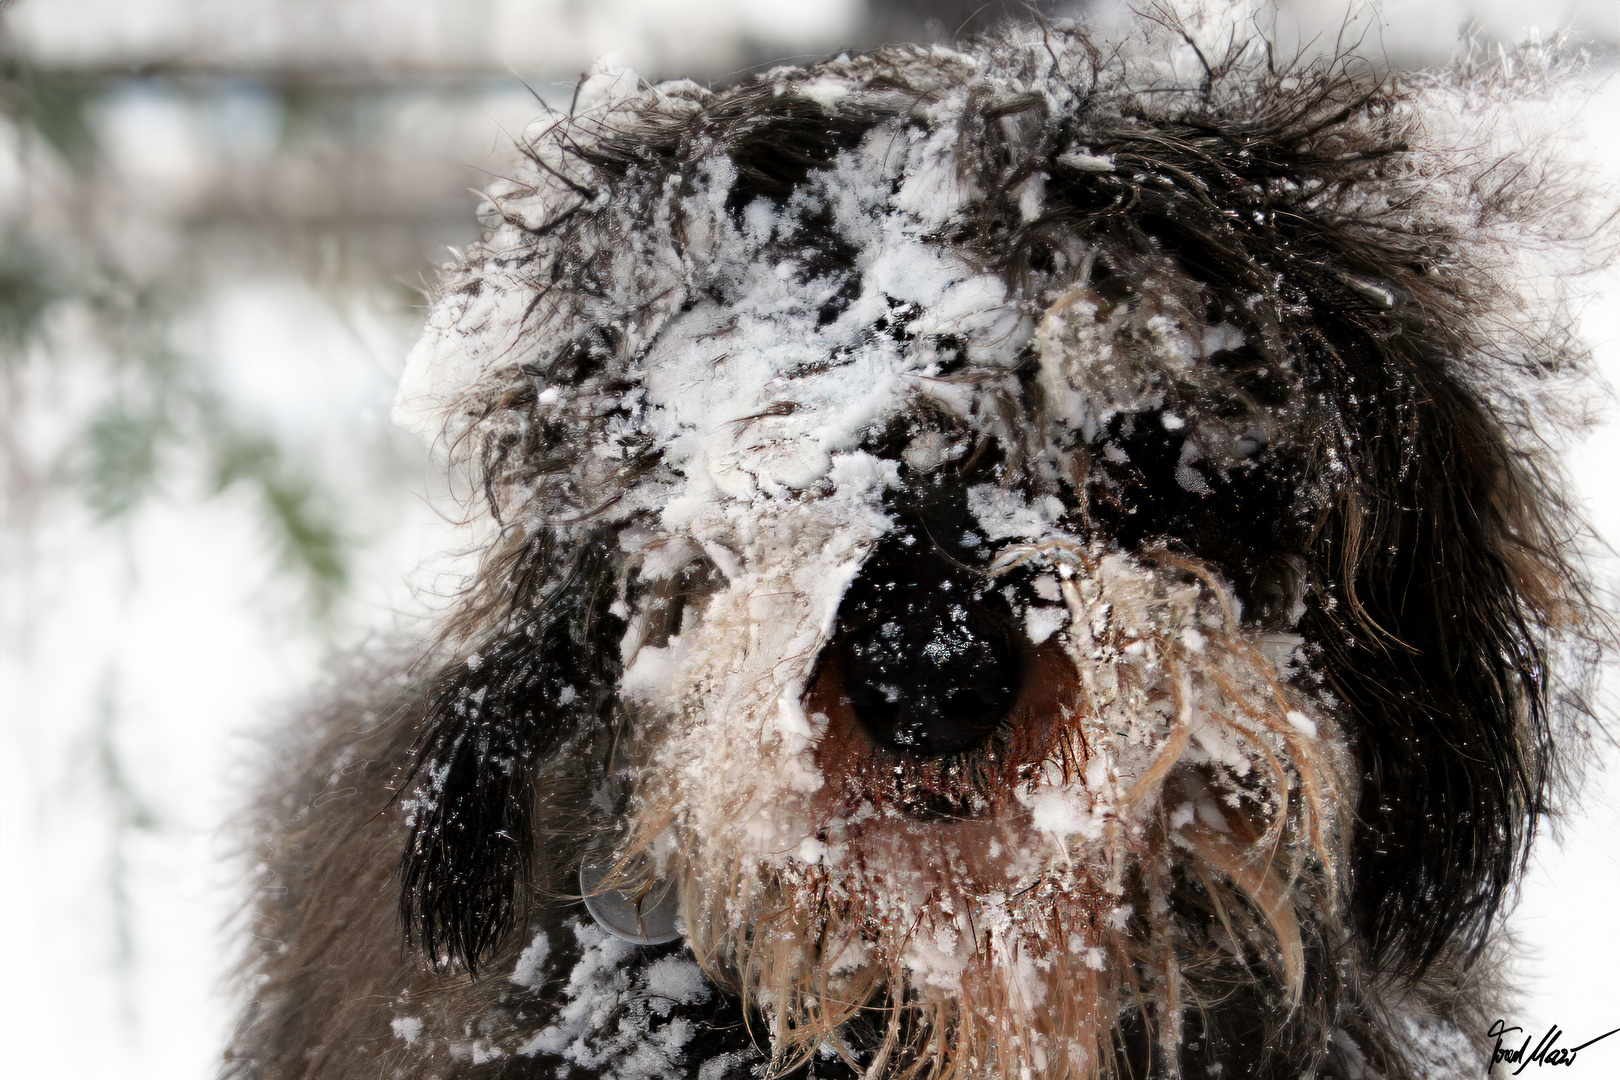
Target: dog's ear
[1447,573]
[546,682]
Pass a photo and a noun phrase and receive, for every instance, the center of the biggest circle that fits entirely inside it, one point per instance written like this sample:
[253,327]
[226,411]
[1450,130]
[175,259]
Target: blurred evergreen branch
[130,814]
[159,409]
[143,419]
[25,292]
[294,507]
[56,107]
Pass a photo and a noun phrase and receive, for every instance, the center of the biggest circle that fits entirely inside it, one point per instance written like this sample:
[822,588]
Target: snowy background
[215,220]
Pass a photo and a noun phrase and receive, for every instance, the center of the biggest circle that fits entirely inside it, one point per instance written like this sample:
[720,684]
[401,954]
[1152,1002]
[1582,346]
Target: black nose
[930,662]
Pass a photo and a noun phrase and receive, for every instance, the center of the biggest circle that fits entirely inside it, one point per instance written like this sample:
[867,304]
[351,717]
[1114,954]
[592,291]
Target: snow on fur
[727,339]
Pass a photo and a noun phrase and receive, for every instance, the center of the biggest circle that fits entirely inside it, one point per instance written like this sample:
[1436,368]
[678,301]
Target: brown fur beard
[940,913]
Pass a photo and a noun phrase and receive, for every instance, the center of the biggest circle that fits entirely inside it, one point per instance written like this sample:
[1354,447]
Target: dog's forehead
[762,399]
[759,392]
[756,344]
[769,386]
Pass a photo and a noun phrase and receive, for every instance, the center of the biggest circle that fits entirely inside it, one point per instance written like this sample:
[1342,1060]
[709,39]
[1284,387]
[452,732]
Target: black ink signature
[1545,1053]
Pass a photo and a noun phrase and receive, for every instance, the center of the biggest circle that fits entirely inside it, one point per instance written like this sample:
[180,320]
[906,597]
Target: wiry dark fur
[492,725]
[1413,517]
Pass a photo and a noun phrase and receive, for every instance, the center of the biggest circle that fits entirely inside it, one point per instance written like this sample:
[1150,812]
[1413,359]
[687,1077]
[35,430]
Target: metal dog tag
[645,916]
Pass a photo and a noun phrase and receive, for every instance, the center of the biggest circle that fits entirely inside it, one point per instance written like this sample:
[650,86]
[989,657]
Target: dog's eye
[930,663]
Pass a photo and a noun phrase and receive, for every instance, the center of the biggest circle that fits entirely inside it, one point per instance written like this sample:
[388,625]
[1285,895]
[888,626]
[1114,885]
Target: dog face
[1026,553]
[924,725]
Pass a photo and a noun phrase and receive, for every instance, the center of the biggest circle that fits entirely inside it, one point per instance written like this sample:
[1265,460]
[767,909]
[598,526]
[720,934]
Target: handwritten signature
[1545,1053]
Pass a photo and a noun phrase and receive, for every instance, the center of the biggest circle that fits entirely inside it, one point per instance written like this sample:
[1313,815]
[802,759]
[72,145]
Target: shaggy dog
[1031,561]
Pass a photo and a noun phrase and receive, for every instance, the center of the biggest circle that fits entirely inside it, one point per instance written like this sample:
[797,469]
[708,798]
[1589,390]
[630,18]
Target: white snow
[675,980]
[1041,623]
[1075,159]
[1302,723]
[530,970]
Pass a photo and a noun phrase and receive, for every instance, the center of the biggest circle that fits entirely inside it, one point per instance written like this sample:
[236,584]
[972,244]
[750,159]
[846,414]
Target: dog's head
[1021,538]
